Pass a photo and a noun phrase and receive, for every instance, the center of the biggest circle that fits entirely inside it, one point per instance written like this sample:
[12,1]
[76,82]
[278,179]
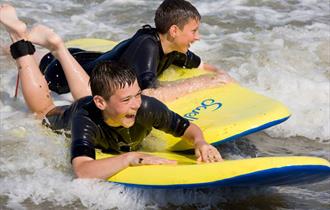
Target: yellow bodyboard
[248,172]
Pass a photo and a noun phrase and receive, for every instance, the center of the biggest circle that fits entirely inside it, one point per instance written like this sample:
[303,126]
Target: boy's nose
[197,37]
[136,103]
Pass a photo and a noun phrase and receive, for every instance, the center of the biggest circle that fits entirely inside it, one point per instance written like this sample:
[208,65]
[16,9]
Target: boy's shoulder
[146,33]
[151,105]
[87,109]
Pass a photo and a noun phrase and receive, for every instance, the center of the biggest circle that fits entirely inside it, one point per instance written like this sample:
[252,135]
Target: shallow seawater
[278,48]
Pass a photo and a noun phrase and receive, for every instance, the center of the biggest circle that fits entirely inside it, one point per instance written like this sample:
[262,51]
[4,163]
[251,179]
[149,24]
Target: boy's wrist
[199,142]
[132,159]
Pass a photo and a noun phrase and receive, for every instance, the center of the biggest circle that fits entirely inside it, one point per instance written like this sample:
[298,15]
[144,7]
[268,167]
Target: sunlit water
[279,48]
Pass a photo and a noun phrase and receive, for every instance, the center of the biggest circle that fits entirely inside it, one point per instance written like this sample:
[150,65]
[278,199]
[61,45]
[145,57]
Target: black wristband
[21,48]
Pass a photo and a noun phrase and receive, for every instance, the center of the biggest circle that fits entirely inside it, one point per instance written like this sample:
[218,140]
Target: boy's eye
[126,100]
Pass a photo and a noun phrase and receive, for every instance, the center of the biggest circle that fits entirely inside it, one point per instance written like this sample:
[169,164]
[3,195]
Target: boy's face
[121,108]
[188,35]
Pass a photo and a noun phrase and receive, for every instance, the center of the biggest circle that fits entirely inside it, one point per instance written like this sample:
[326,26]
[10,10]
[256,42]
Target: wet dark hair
[109,76]
[174,12]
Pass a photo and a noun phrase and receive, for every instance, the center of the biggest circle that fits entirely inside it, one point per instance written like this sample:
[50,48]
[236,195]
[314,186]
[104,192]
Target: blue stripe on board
[253,130]
[287,175]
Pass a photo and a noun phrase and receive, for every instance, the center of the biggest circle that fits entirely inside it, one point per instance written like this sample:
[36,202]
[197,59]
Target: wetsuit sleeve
[143,56]
[84,132]
[157,115]
[188,60]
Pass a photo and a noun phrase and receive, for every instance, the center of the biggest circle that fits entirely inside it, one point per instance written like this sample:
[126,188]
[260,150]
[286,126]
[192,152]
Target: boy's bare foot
[15,27]
[45,37]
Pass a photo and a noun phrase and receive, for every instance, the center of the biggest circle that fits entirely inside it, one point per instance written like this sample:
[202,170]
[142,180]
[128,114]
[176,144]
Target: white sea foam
[292,65]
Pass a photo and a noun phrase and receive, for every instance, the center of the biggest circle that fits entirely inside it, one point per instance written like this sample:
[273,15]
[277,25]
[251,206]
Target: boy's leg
[38,55]
[34,86]
[76,76]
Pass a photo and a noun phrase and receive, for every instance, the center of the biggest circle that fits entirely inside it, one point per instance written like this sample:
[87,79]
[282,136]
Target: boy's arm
[170,91]
[84,133]
[87,167]
[208,67]
[191,60]
[204,151]
[226,78]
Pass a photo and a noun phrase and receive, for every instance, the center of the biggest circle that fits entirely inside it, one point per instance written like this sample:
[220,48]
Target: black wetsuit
[89,131]
[143,53]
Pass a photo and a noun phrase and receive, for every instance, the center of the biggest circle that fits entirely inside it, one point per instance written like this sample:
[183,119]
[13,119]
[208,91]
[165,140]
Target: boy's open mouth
[130,116]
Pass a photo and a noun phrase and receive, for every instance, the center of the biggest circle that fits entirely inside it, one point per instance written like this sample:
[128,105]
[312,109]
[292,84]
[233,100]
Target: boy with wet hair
[115,116]
[149,52]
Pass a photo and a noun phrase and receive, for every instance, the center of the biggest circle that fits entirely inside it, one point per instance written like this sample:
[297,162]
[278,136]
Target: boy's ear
[100,102]
[173,30]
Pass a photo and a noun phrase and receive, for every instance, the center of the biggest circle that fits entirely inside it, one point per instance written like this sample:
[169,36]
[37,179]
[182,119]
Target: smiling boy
[149,52]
